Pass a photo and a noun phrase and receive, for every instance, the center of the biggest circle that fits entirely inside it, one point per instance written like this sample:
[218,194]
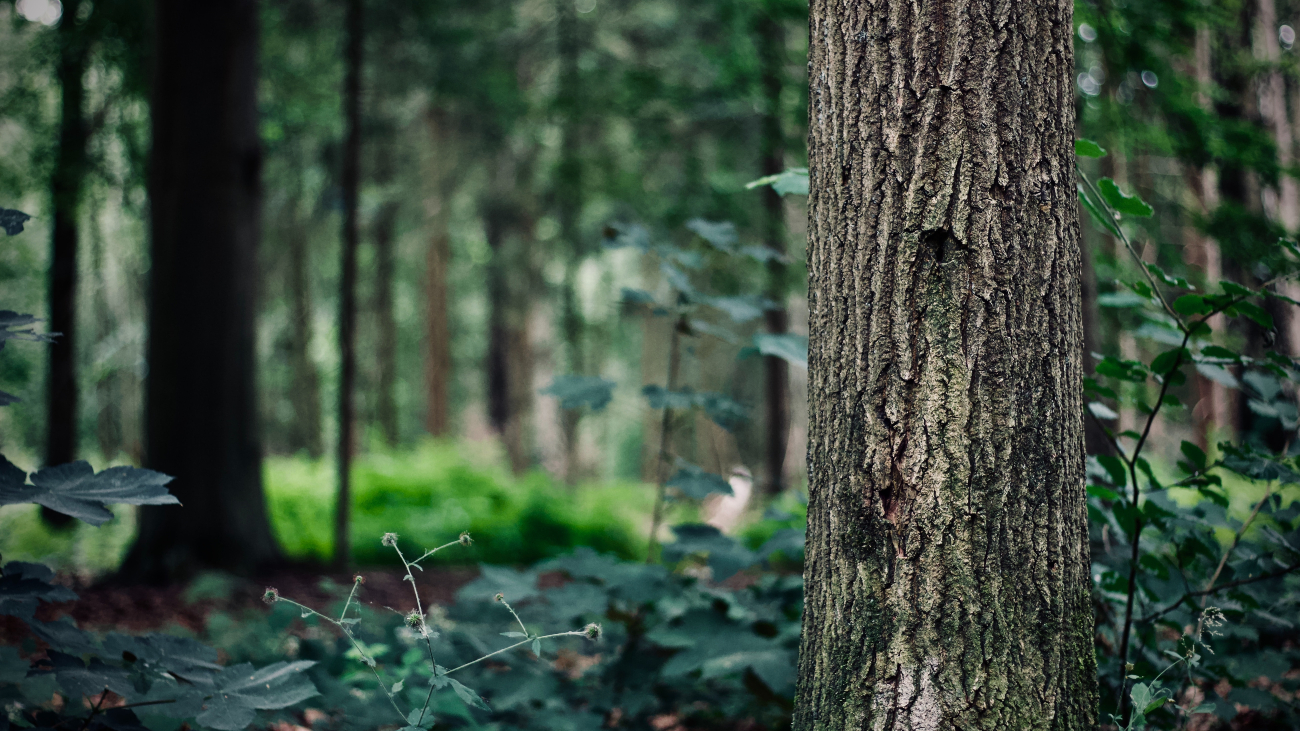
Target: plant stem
[571,633]
[665,436]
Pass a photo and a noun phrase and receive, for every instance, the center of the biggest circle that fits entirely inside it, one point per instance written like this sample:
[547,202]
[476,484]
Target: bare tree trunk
[568,193]
[66,187]
[947,579]
[771,45]
[348,284]
[304,392]
[437,333]
[205,206]
[386,349]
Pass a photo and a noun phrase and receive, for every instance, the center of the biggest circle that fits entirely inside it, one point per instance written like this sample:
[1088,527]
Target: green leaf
[1167,361]
[788,347]
[574,392]
[1101,217]
[74,489]
[726,556]
[793,181]
[513,634]
[697,484]
[1195,455]
[1256,313]
[1163,276]
[1234,289]
[635,297]
[241,691]
[1192,304]
[1088,148]
[1115,468]
[537,647]
[1130,205]
[1155,705]
[1218,353]
[12,221]
[469,697]
[740,309]
[720,234]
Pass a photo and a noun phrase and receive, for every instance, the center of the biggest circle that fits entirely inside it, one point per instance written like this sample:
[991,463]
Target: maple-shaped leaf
[75,489]
[241,692]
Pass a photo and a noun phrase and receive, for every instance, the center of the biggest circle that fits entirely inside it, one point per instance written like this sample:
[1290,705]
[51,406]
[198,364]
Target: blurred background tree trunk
[205,192]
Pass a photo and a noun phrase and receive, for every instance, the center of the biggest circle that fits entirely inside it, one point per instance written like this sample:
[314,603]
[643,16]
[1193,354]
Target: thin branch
[1221,587]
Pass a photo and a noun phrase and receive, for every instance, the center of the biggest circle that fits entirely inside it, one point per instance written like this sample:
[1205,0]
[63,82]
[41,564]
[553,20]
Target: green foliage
[436,490]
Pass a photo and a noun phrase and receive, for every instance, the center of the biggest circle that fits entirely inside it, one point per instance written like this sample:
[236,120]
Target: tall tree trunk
[205,191]
[386,347]
[437,325]
[509,356]
[304,392]
[351,180]
[568,194]
[65,194]
[947,566]
[771,37]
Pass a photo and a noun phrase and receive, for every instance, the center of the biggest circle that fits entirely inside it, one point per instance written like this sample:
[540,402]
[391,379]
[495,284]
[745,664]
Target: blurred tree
[205,188]
[351,184]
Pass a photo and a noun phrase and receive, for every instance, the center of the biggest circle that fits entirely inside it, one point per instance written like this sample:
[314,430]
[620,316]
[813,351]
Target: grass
[430,494]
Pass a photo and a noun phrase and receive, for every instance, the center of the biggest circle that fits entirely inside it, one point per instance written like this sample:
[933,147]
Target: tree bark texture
[205,192]
[947,564]
[66,187]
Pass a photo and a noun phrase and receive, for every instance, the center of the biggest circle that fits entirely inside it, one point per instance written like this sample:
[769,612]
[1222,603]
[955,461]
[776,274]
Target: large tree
[205,203]
[947,560]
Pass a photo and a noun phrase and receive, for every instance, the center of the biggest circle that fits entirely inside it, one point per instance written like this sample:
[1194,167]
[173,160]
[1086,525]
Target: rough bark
[351,184]
[771,37]
[205,193]
[947,569]
[66,187]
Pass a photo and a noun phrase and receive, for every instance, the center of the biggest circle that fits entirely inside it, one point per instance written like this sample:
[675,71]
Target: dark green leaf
[697,484]
[12,221]
[574,392]
[1115,468]
[1256,313]
[1167,361]
[469,697]
[740,308]
[74,489]
[1195,455]
[1130,205]
[1191,304]
[1088,148]
[726,556]
[1102,218]
[1218,353]
[636,297]
[1164,276]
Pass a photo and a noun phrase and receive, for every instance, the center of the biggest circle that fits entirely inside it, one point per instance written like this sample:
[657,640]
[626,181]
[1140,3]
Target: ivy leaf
[793,181]
[74,489]
[720,234]
[790,348]
[574,392]
[12,221]
[1130,205]
[1088,148]
[697,484]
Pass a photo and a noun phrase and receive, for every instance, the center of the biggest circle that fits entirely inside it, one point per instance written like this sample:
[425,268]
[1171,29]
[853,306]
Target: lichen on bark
[947,566]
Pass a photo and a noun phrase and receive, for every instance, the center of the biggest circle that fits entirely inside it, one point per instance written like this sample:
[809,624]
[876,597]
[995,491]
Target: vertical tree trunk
[568,195]
[386,348]
[65,194]
[771,44]
[304,392]
[947,570]
[509,358]
[205,191]
[348,282]
[437,325]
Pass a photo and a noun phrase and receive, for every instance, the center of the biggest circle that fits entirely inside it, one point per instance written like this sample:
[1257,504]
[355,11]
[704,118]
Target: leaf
[1121,299]
[537,647]
[1166,362]
[1130,205]
[574,392]
[763,254]
[1192,304]
[23,586]
[619,235]
[725,412]
[1103,218]
[1114,468]
[397,687]
[1219,353]
[80,680]
[726,556]
[720,234]
[630,296]
[661,398]
[1256,313]
[469,697]
[1102,411]
[1088,148]
[74,489]
[791,348]
[792,181]
[702,327]
[513,634]
[740,309]
[7,398]
[14,326]
[241,691]
[181,656]
[1195,455]
[12,221]
[517,585]
[1164,276]
[1125,370]
[697,484]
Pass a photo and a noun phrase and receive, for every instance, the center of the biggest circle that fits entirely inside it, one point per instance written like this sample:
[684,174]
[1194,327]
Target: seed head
[389,540]
[359,579]
[591,631]
[271,595]
[414,620]
[464,539]
[499,597]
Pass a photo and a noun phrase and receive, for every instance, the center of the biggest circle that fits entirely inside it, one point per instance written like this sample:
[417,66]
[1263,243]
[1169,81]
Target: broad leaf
[793,181]
[74,489]
[1088,148]
[241,691]
[23,586]
[697,484]
[788,347]
[725,555]
[1130,205]
[12,221]
[574,392]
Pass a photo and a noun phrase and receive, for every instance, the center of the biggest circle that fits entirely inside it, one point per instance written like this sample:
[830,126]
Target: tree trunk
[947,576]
[771,46]
[509,356]
[568,195]
[437,325]
[351,182]
[65,194]
[205,191]
[386,347]
[304,392]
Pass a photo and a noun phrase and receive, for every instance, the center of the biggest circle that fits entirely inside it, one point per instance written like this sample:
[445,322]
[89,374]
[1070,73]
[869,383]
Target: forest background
[520,163]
